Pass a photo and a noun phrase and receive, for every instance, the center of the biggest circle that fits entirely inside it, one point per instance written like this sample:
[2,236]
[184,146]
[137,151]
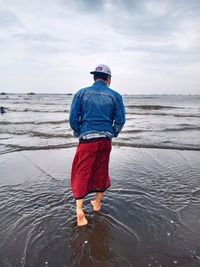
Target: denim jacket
[97,109]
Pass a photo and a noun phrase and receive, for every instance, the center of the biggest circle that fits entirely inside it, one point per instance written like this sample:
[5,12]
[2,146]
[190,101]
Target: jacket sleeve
[119,116]
[75,115]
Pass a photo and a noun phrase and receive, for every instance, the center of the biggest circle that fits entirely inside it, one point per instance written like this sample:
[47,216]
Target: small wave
[38,134]
[29,100]
[151,107]
[37,110]
[164,114]
[187,115]
[49,135]
[135,131]
[17,148]
[33,122]
[146,113]
[4,149]
[157,146]
[5,98]
[185,128]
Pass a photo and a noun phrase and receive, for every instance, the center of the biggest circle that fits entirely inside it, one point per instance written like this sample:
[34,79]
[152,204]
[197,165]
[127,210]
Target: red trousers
[90,168]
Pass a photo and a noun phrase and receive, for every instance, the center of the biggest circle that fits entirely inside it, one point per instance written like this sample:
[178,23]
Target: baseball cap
[102,68]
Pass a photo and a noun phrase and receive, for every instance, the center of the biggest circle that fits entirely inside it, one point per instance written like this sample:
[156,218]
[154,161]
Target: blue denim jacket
[97,109]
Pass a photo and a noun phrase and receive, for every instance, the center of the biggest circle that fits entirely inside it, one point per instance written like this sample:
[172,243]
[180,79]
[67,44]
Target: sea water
[41,121]
[150,215]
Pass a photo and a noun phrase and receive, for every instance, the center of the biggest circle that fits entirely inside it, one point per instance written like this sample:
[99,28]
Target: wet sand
[150,215]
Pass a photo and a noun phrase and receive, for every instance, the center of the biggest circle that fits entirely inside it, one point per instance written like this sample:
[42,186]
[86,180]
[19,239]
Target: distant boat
[31,93]
[3,93]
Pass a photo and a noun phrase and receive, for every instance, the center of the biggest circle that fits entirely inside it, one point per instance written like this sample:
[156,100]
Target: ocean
[153,121]
[150,215]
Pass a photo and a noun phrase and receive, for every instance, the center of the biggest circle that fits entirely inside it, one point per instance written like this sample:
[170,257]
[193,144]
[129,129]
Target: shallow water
[150,216]
[151,213]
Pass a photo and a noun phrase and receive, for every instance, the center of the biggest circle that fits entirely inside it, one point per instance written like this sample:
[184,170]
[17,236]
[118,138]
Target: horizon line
[128,94]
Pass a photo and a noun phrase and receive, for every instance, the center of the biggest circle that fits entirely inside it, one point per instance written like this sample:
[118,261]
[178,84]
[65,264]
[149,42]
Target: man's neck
[102,81]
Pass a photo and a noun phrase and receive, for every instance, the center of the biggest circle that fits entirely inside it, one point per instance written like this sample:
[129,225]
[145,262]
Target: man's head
[102,72]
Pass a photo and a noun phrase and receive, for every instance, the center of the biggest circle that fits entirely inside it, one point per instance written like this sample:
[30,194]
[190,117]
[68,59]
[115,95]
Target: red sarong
[90,168]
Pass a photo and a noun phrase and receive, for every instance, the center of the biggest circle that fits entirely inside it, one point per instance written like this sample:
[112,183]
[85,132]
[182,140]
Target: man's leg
[96,203]
[81,220]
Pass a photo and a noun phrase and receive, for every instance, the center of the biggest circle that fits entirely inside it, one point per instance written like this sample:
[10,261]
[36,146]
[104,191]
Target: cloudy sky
[51,46]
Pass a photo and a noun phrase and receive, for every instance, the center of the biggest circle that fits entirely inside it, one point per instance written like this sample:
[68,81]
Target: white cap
[101,69]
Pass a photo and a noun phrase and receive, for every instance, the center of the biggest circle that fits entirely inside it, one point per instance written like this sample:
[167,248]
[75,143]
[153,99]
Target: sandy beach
[150,215]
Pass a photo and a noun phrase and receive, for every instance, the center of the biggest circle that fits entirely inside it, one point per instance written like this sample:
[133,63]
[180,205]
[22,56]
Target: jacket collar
[100,82]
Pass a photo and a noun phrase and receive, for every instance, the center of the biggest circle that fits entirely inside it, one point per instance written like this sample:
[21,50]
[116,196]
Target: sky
[50,46]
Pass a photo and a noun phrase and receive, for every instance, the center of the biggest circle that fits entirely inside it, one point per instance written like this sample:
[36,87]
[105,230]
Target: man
[3,110]
[97,115]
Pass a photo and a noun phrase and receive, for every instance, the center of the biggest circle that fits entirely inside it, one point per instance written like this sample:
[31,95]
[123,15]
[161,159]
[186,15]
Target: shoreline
[17,148]
[126,154]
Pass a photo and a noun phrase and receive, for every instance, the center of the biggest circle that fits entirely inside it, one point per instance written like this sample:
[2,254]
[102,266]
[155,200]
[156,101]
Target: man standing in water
[97,115]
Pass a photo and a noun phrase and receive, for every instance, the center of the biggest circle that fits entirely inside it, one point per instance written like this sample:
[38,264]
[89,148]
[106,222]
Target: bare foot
[96,205]
[81,220]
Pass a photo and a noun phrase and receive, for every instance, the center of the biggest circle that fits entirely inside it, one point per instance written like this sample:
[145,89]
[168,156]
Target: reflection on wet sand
[149,216]
[101,243]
